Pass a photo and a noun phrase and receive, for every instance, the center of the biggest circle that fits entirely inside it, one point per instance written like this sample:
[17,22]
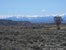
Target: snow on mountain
[43,19]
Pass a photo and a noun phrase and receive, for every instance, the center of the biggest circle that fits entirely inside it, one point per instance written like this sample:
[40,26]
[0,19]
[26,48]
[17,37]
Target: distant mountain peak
[43,19]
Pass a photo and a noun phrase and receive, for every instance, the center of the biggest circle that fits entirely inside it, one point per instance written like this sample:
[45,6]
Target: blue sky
[32,7]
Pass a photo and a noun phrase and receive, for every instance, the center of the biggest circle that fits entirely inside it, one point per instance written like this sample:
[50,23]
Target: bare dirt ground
[39,37]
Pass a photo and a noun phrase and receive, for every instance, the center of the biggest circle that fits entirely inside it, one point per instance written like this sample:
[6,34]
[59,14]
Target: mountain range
[46,19]
[28,20]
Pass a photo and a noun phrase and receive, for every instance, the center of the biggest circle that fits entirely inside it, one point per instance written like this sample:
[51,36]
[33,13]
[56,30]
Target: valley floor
[37,37]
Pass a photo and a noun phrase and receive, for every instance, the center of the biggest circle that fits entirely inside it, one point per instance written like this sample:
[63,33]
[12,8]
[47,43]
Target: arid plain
[34,37]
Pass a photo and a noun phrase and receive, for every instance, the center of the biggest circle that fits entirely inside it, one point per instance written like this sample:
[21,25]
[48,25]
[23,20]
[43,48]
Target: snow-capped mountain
[46,19]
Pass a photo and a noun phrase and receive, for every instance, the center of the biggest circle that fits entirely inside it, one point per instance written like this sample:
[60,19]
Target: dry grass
[31,37]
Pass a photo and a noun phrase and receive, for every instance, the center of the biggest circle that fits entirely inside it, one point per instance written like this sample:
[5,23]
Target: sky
[32,7]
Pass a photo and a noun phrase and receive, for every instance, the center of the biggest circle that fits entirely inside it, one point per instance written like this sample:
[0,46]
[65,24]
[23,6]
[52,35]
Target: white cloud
[43,10]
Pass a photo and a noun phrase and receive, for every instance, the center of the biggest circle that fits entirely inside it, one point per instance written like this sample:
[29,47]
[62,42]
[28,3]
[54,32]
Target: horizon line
[18,16]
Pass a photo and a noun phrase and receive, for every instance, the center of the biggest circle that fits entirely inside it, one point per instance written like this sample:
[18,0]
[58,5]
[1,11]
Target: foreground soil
[32,38]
